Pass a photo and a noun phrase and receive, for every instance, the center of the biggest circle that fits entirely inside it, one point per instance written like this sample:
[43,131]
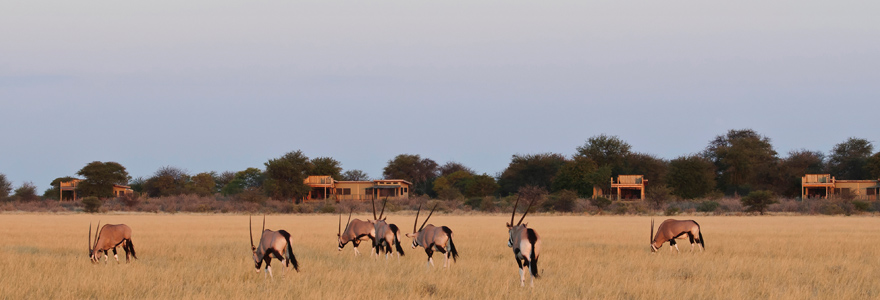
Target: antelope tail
[533,259]
[131,248]
[395,230]
[702,243]
[452,249]
[290,257]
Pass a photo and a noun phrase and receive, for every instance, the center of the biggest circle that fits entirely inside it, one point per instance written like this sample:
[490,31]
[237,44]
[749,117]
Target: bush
[564,200]
[600,202]
[758,201]
[488,204]
[671,211]
[708,206]
[130,200]
[474,203]
[92,204]
[861,205]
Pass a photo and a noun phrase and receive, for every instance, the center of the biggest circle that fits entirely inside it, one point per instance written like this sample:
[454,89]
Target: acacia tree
[653,168]
[413,168]
[606,150]
[452,167]
[166,181]
[201,184]
[741,157]
[758,201]
[250,179]
[355,175]
[5,187]
[26,192]
[285,176]
[580,175]
[100,178]
[326,166]
[795,166]
[530,169]
[849,160]
[691,176]
[874,165]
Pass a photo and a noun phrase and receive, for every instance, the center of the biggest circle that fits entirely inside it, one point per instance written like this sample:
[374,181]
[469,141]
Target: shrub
[474,203]
[564,200]
[671,211]
[708,206]
[488,204]
[758,201]
[91,204]
[600,202]
[130,200]
[861,205]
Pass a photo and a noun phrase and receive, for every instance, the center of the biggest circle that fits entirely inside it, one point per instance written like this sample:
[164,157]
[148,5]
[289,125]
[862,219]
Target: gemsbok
[272,243]
[526,244]
[386,234]
[109,237]
[671,229]
[355,232]
[431,237]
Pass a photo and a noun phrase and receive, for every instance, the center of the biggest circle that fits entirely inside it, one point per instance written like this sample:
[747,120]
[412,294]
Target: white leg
[431,260]
[269,270]
[356,252]
[532,276]
[106,259]
[522,280]
[116,257]
[676,248]
[446,261]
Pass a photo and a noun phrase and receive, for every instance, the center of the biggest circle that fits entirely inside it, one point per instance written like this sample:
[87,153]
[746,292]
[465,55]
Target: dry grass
[208,256]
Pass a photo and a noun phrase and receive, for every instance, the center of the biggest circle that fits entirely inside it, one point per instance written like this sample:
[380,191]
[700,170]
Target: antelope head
[415,234]
[341,241]
[258,261]
[93,255]
[513,229]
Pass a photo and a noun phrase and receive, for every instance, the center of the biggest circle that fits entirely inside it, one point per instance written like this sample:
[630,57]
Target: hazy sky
[227,85]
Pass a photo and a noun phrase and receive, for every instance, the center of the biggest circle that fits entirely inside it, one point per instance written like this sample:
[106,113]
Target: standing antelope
[671,229]
[431,237]
[109,237]
[526,244]
[386,234]
[355,232]
[272,243]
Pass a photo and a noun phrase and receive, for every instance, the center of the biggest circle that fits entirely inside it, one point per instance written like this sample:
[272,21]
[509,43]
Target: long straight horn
[90,237]
[651,240]
[251,230]
[526,213]
[340,225]
[428,218]
[348,223]
[417,218]
[383,208]
[264,226]
[374,208]
[513,214]
[97,228]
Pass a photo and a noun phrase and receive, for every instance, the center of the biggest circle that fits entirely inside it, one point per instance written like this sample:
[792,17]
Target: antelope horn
[97,228]
[651,240]
[90,238]
[513,214]
[428,218]
[264,226]
[527,212]
[383,208]
[374,209]
[417,218]
[348,223]
[339,232]
[251,230]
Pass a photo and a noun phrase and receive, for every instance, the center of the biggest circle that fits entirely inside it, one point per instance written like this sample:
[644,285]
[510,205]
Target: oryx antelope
[272,243]
[526,244]
[109,237]
[355,232]
[431,237]
[386,234]
[671,229]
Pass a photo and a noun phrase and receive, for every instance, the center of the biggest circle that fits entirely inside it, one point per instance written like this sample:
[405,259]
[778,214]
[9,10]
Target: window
[404,190]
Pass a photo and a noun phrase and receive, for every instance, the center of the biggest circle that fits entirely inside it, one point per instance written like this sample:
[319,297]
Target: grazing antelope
[272,243]
[386,234]
[671,229]
[526,244]
[109,237]
[431,237]
[355,232]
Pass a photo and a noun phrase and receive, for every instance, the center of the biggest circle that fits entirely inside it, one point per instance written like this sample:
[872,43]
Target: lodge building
[325,187]
[827,187]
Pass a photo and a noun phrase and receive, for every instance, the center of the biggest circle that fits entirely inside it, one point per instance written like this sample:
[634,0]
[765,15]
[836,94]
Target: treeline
[733,164]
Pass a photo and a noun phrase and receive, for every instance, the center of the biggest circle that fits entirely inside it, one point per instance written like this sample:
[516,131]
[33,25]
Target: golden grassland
[585,257]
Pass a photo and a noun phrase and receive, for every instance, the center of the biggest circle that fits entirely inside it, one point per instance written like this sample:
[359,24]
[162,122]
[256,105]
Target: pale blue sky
[227,85]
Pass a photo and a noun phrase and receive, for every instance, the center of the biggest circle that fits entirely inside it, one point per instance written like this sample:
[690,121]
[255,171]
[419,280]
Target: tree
[874,165]
[167,181]
[741,158]
[55,187]
[413,168]
[355,175]
[653,168]
[795,166]
[285,176]
[758,201]
[530,169]
[606,150]
[691,176]
[849,160]
[222,179]
[580,175]
[202,184]
[326,166]
[452,167]
[5,187]
[100,178]
[481,186]
[26,192]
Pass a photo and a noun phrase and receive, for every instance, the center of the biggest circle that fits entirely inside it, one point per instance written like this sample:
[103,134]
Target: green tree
[795,166]
[167,181]
[5,187]
[326,166]
[285,176]
[742,159]
[530,169]
[758,201]
[26,192]
[580,175]
[413,168]
[691,176]
[202,184]
[481,186]
[452,167]
[874,165]
[849,160]
[100,178]
[653,168]
[54,187]
[606,150]
[355,175]
[222,179]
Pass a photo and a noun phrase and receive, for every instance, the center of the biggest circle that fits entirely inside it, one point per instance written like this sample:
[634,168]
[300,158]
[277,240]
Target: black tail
[533,259]
[452,249]
[702,243]
[291,258]
[131,249]
[396,232]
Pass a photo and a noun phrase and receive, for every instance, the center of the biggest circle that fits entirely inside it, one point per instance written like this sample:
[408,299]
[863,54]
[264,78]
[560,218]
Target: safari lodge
[325,187]
[827,187]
